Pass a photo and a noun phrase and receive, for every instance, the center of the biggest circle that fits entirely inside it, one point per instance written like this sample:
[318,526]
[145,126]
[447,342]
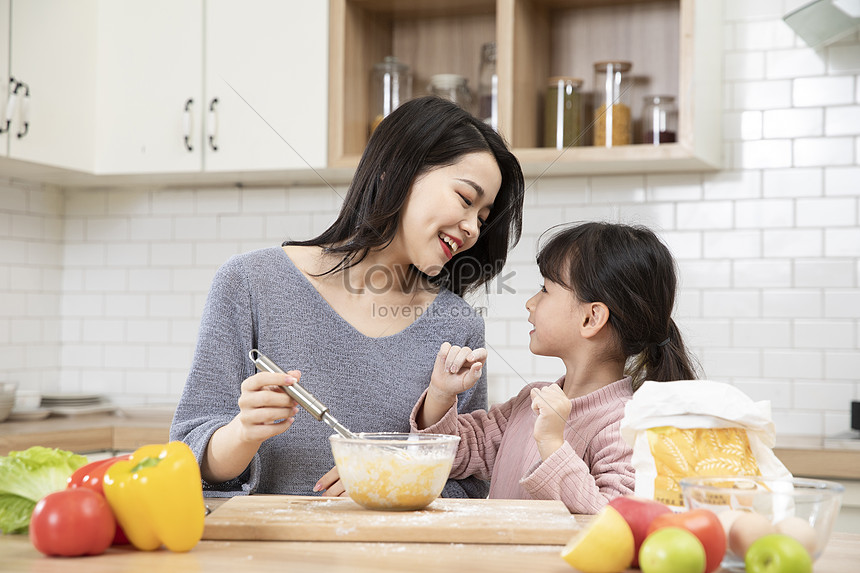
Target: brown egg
[727,518]
[800,529]
[746,529]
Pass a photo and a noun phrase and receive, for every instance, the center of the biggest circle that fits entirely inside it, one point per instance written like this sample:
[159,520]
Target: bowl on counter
[391,471]
[27,400]
[805,509]
[7,399]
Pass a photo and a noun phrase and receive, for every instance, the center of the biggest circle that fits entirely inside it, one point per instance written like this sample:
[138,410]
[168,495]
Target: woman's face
[445,210]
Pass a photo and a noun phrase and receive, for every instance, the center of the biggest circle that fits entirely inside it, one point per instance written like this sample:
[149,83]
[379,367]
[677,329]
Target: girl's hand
[456,369]
[552,406]
[330,484]
[264,409]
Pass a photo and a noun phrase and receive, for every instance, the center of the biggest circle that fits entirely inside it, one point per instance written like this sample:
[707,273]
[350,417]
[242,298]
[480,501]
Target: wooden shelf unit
[675,47]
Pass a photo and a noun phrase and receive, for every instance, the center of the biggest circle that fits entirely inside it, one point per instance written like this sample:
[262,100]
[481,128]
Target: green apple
[672,550]
[777,553]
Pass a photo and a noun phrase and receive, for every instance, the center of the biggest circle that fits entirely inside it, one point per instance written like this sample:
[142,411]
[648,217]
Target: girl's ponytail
[664,361]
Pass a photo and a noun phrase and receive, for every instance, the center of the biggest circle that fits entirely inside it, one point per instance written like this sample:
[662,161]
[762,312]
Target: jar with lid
[613,123]
[659,120]
[391,85]
[488,86]
[563,112]
[453,87]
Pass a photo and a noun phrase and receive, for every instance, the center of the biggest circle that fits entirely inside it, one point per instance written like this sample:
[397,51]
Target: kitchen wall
[768,249]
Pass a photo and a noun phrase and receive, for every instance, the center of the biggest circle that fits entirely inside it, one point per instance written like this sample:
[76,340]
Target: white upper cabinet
[235,76]
[266,84]
[150,73]
[53,57]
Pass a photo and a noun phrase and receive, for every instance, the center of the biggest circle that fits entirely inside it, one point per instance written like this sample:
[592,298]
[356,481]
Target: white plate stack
[69,404]
[7,399]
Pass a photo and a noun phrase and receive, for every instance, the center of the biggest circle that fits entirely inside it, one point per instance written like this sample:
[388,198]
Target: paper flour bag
[696,428]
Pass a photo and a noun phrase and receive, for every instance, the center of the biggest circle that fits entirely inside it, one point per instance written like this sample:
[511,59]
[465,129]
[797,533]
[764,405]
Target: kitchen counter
[841,556]
[85,434]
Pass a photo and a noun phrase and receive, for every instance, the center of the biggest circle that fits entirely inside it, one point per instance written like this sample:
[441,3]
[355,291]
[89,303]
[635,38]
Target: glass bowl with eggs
[751,507]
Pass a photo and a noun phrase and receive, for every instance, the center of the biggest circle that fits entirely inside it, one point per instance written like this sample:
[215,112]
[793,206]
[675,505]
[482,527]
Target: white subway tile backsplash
[105,280]
[842,242]
[85,203]
[197,228]
[216,201]
[825,334]
[704,274]
[822,91]
[663,187]
[618,188]
[841,364]
[823,151]
[282,227]
[799,423]
[173,254]
[706,332]
[824,273]
[106,229]
[147,330]
[842,303]
[761,333]
[214,254]
[125,305]
[150,229]
[823,396]
[842,120]
[549,190]
[768,94]
[842,181]
[243,227]
[755,30]
[794,364]
[830,212]
[734,303]
[778,393]
[720,363]
[732,244]
[780,64]
[309,199]
[843,59]
[764,213]
[792,243]
[788,123]
[125,356]
[265,200]
[795,182]
[173,202]
[684,245]
[764,154]
[763,273]
[82,305]
[170,305]
[795,303]
[149,280]
[744,66]
[705,215]
[134,203]
[121,254]
[751,125]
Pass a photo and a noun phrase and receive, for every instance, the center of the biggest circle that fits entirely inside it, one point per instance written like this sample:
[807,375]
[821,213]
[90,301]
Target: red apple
[638,512]
[702,523]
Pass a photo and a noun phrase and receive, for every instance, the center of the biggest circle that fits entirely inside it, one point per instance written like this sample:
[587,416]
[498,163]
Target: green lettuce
[28,476]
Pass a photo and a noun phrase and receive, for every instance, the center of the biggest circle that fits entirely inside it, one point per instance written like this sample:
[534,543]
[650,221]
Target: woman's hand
[330,484]
[552,406]
[265,410]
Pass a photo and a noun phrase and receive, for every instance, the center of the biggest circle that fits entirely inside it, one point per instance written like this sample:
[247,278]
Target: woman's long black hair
[629,270]
[420,135]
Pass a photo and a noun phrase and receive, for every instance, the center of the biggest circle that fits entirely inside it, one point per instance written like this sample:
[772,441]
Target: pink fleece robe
[592,467]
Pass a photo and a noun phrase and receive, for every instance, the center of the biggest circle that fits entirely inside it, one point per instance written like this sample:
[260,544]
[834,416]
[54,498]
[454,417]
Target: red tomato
[72,522]
[702,523]
[91,476]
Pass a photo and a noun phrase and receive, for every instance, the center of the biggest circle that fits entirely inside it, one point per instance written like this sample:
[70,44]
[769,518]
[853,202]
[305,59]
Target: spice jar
[659,120]
[562,112]
[613,123]
[488,86]
[391,85]
[453,87]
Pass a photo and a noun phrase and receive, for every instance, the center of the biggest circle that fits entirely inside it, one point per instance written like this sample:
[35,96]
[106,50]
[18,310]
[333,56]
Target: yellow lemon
[604,546]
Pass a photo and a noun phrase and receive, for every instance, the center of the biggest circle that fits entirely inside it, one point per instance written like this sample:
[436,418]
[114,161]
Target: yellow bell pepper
[157,497]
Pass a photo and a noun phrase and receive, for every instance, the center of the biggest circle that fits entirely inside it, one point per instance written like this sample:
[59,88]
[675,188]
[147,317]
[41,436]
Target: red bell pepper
[91,476]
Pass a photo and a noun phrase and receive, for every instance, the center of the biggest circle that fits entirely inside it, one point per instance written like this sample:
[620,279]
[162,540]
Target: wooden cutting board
[306,518]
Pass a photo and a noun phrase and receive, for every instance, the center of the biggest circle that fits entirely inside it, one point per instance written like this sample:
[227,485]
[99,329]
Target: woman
[359,311]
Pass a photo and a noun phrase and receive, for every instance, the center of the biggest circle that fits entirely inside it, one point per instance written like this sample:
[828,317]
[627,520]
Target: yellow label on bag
[695,452]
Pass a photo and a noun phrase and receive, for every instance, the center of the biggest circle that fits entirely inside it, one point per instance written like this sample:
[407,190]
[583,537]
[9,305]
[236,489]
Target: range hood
[824,21]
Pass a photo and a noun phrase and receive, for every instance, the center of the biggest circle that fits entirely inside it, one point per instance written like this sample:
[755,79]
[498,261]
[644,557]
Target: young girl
[605,310]
[358,313]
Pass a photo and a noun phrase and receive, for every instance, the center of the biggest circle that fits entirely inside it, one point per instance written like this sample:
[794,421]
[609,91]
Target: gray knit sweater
[261,300]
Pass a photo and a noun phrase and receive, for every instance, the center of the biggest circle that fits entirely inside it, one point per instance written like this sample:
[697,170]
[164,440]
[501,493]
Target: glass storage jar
[391,85]
[563,112]
[488,86]
[613,123]
[659,120]
[453,87]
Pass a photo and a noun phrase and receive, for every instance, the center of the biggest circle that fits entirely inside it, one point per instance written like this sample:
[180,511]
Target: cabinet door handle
[212,124]
[11,104]
[186,124]
[24,114]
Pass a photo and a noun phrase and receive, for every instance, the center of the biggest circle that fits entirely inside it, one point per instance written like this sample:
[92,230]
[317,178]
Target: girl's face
[445,210]
[555,313]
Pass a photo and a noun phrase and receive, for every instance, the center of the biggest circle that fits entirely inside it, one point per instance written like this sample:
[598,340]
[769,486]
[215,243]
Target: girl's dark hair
[420,135]
[629,270]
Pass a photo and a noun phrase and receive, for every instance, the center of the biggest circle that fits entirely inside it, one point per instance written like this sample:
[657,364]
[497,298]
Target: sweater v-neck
[321,301]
